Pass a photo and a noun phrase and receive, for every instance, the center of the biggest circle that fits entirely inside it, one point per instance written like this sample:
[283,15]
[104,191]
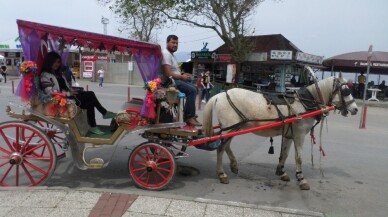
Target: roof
[265,43]
[88,39]
[357,62]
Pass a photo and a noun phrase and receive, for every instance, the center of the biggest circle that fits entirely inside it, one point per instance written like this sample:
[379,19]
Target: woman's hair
[49,60]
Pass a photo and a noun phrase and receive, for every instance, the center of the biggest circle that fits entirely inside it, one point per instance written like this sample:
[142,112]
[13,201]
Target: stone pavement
[58,202]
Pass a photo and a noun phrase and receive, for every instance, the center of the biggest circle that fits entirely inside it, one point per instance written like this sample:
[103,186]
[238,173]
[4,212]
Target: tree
[225,17]
[139,20]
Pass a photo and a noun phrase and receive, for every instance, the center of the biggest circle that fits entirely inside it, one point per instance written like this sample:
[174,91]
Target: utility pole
[105,22]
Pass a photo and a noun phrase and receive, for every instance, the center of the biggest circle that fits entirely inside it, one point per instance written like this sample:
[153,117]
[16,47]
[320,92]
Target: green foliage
[228,18]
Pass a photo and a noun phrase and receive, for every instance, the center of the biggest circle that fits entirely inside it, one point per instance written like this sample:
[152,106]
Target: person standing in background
[3,70]
[101,73]
[206,84]
[361,84]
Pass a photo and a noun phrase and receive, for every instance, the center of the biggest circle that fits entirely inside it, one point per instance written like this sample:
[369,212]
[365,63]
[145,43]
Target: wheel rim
[151,166]
[27,157]
[56,136]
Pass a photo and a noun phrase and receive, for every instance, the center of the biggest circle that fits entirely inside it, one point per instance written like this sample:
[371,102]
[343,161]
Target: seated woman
[52,80]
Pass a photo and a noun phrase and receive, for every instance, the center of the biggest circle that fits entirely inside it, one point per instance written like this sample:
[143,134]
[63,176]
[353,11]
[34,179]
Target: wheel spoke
[7,141]
[38,158]
[6,173]
[164,162]
[139,169]
[160,157]
[28,175]
[17,175]
[142,157]
[141,175]
[27,143]
[5,151]
[148,154]
[139,162]
[33,149]
[161,175]
[164,169]
[18,147]
[5,163]
[35,167]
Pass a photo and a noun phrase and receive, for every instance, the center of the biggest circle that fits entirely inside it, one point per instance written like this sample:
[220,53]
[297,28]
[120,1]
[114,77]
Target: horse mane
[326,87]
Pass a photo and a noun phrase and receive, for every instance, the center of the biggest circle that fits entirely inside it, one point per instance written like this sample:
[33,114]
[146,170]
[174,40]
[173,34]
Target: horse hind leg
[282,159]
[232,158]
[222,176]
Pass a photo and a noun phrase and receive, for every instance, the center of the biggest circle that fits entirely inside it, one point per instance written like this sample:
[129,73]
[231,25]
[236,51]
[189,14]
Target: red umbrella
[357,62]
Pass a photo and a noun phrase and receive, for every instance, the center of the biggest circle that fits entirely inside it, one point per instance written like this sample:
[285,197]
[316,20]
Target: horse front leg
[222,176]
[303,184]
[285,149]
[232,158]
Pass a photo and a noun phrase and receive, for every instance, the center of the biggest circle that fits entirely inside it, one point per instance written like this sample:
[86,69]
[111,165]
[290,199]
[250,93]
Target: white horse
[251,109]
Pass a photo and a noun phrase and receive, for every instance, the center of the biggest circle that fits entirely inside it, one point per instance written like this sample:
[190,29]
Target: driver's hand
[185,77]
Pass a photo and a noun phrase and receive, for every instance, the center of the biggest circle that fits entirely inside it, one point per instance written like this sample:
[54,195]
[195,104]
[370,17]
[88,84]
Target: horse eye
[345,92]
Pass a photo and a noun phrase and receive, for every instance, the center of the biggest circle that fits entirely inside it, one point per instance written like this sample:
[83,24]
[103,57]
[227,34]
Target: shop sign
[89,58]
[225,58]
[259,56]
[202,55]
[281,54]
[309,58]
[4,46]
[102,58]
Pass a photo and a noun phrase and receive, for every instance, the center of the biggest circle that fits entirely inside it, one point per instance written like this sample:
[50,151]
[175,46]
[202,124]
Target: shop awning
[357,62]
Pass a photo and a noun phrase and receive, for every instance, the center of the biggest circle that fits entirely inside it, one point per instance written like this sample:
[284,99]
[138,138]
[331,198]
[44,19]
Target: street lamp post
[105,22]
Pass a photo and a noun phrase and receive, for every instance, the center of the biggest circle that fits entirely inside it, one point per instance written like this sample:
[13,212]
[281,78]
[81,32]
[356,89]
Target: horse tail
[207,120]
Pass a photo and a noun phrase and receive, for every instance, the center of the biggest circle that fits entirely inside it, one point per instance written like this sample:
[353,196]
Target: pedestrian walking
[101,73]
[206,84]
[3,70]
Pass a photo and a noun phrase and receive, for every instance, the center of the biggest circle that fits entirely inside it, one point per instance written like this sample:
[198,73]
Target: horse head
[342,97]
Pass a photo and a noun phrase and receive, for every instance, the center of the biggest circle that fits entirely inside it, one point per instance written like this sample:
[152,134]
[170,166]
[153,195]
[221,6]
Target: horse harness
[305,98]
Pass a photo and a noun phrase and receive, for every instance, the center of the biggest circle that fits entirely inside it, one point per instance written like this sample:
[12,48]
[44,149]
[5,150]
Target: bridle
[343,89]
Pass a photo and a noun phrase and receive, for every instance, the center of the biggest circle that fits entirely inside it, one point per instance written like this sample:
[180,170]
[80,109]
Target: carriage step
[96,163]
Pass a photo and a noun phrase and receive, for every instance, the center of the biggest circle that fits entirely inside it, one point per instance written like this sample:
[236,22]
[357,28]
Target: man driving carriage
[182,81]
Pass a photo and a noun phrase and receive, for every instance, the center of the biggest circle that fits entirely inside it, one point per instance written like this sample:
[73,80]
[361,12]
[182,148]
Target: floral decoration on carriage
[26,87]
[151,87]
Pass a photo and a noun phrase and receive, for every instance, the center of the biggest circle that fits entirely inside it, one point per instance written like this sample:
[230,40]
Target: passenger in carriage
[182,80]
[52,80]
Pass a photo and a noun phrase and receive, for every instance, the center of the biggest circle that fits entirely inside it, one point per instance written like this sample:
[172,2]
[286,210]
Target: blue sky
[321,27]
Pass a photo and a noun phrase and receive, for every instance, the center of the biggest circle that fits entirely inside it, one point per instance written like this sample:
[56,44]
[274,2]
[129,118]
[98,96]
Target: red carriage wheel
[27,155]
[57,137]
[151,166]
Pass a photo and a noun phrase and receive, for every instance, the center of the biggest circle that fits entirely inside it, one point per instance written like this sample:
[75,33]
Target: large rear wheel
[57,137]
[151,166]
[27,155]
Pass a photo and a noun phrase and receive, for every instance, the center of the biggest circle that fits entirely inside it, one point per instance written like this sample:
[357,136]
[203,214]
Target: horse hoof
[224,179]
[304,186]
[234,170]
[285,178]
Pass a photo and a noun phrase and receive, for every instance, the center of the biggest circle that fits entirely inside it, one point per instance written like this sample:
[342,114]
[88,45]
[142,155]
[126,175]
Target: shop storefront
[272,65]
[12,53]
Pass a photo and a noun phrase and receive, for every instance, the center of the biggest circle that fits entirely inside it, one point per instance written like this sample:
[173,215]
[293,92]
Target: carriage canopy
[36,39]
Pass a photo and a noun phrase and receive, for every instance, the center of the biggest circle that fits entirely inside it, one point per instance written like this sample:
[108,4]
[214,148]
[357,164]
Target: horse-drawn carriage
[31,146]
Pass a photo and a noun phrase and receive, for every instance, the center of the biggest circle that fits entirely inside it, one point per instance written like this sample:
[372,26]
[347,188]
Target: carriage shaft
[263,127]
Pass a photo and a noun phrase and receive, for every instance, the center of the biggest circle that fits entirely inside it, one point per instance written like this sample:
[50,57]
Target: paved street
[354,181]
